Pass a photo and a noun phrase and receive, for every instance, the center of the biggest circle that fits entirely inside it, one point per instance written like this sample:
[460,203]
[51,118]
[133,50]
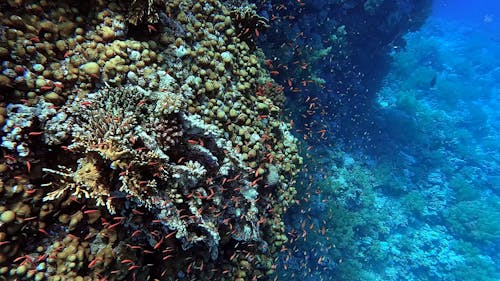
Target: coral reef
[335,51]
[248,22]
[420,200]
[140,141]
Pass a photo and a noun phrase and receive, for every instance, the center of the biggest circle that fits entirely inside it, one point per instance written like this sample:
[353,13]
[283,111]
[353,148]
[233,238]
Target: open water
[414,193]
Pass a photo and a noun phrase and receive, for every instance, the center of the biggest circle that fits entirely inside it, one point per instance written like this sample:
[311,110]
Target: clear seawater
[421,200]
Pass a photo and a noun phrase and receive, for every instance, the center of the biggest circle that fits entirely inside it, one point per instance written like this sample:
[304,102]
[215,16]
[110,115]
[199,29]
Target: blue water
[419,199]
[466,11]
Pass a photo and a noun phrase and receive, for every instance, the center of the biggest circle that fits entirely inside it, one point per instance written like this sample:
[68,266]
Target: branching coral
[169,147]
[85,182]
[117,139]
[145,11]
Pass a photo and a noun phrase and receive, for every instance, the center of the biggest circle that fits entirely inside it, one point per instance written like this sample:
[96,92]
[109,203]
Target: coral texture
[141,140]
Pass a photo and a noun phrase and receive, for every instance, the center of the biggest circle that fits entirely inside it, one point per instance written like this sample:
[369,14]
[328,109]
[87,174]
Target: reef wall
[338,52]
[141,140]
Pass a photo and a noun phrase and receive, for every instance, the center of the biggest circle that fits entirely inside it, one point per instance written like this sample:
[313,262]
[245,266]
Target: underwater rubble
[141,140]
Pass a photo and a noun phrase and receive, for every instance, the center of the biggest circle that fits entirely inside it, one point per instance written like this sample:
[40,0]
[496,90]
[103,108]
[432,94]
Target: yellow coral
[85,182]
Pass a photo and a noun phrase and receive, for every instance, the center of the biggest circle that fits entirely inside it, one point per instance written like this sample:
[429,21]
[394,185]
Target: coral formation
[140,140]
[419,201]
[334,51]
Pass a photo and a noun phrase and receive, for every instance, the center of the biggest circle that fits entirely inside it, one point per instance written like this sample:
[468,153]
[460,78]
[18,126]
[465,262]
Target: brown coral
[248,23]
[187,167]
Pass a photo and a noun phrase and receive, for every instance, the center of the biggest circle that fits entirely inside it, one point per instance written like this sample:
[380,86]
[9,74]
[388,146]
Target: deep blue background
[471,11]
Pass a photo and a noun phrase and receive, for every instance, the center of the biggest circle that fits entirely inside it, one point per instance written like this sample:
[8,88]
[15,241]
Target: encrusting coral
[139,141]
